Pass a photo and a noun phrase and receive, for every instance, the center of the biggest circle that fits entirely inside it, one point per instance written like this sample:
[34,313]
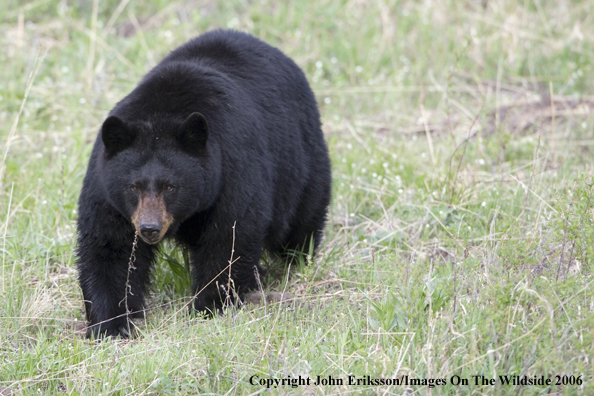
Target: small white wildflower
[319,64]
[400,191]
[82,101]
[484,204]
[333,60]
[327,100]
[234,22]
[349,146]
[344,160]
[358,69]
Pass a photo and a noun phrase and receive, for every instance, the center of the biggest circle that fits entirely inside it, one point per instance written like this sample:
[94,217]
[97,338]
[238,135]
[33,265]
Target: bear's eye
[133,188]
[169,187]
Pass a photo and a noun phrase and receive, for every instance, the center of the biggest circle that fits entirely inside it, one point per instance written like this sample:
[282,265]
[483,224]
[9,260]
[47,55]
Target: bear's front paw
[109,329]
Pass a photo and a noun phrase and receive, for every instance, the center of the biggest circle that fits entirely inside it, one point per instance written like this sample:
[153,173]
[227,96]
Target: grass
[460,237]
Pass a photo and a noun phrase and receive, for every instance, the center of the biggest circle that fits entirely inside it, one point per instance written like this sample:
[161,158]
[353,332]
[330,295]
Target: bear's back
[237,55]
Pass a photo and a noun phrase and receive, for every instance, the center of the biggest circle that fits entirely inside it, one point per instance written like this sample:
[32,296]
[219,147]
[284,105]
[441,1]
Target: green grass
[460,240]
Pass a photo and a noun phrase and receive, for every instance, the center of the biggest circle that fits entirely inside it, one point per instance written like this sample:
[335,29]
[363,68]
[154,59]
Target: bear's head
[158,174]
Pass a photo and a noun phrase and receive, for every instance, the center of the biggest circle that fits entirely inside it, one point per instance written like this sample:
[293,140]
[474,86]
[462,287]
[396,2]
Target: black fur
[225,130]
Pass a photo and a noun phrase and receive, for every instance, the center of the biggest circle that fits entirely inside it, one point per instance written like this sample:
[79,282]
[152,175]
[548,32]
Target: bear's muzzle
[151,218]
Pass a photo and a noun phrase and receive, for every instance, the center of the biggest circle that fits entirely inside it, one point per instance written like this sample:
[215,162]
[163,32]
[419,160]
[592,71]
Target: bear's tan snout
[151,218]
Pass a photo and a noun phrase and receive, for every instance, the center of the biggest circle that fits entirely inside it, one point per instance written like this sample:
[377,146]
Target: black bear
[224,131]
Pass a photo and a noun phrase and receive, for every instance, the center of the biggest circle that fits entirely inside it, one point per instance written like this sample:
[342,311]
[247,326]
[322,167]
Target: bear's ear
[116,135]
[193,133]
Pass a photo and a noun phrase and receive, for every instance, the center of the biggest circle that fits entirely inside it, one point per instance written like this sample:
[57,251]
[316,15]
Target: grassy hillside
[460,240]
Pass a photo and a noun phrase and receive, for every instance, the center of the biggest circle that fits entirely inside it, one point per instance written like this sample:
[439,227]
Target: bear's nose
[150,231]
